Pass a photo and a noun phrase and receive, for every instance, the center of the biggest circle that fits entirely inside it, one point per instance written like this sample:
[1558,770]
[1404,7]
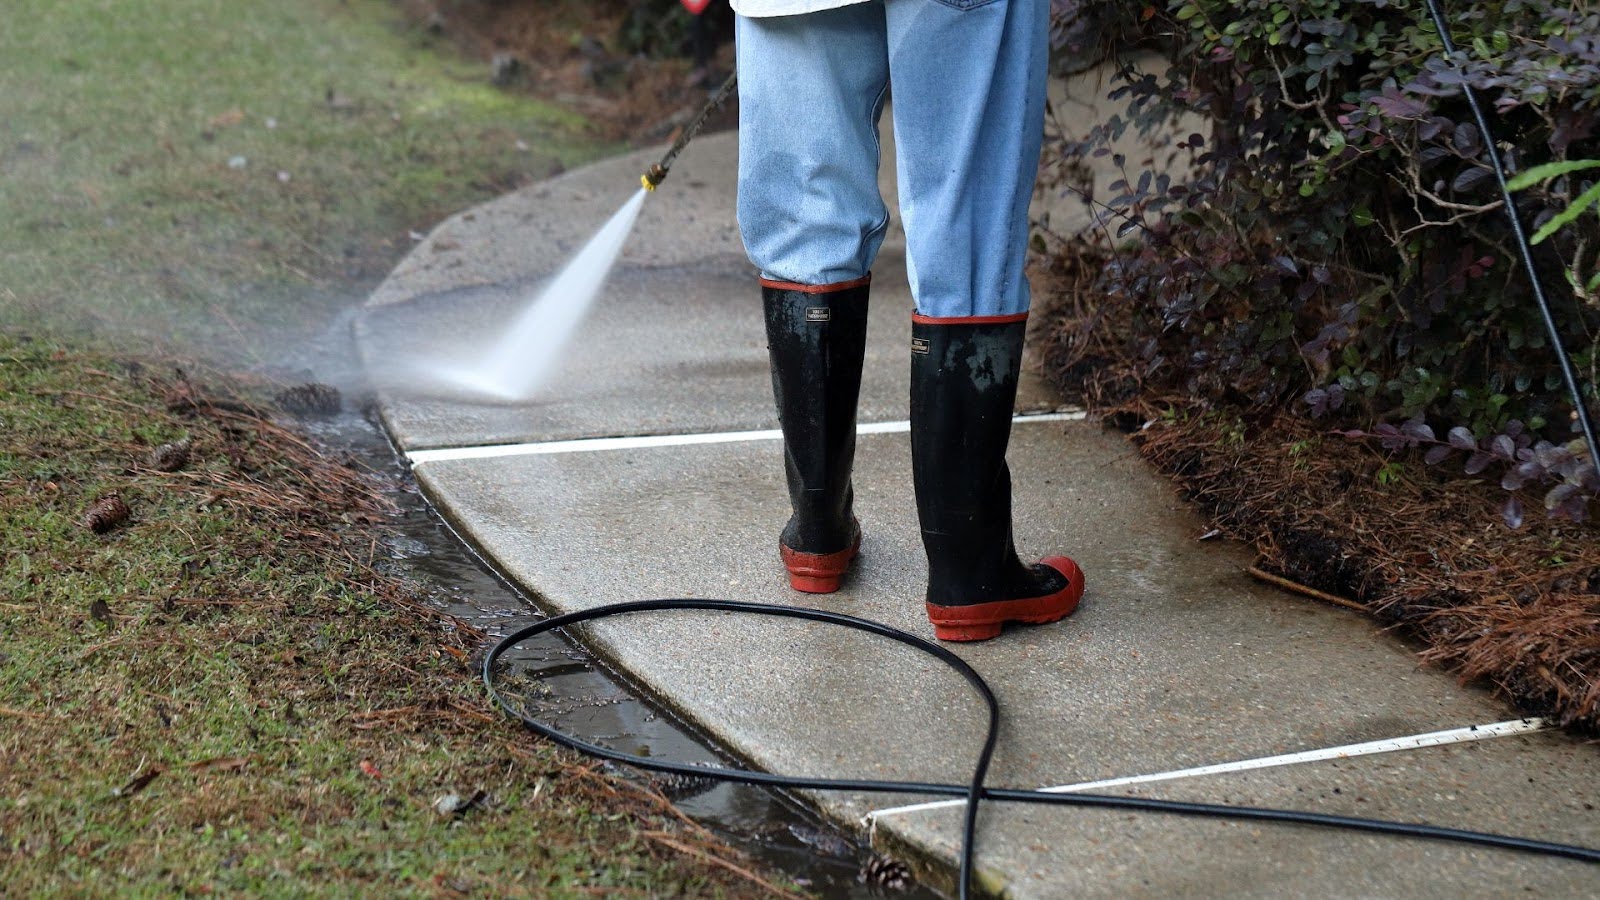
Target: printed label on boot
[818,314]
[919,346]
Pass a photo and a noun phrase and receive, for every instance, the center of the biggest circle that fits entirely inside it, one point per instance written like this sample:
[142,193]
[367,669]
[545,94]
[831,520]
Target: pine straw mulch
[322,484]
[1422,549]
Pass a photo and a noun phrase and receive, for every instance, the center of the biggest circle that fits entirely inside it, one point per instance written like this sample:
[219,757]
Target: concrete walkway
[1176,660]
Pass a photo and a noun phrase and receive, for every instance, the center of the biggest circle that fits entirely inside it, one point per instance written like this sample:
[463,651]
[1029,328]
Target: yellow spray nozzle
[653,177]
[648,184]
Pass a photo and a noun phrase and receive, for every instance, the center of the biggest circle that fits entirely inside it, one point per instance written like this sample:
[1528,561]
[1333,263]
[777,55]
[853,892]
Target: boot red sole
[818,573]
[982,621]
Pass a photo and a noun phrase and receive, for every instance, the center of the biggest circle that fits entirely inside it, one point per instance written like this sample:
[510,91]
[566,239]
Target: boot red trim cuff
[818,288]
[921,319]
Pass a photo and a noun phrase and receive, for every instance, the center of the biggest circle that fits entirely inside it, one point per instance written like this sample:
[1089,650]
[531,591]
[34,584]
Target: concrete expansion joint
[651,441]
[1347,751]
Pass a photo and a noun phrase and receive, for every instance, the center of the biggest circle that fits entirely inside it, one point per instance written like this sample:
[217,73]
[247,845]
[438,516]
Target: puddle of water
[573,691]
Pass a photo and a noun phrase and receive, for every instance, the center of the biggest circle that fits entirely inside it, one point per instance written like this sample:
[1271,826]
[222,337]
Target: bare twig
[1418,190]
[1456,219]
[471,713]
[98,398]
[92,649]
[667,840]
[1299,588]
[1320,104]
[659,800]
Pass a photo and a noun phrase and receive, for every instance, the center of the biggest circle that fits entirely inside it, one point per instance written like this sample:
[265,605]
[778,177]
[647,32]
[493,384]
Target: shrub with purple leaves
[1336,235]
[1564,472]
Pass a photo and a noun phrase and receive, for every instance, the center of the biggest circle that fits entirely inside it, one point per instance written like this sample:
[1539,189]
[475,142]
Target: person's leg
[969,80]
[816,339]
[963,385]
[811,89]
[969,95]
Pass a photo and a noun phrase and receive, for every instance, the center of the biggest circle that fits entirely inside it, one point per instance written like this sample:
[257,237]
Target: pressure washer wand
[657,173]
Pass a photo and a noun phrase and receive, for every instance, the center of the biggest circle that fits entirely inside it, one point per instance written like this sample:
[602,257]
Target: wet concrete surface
[673,345]
[667,351]
[1176,659]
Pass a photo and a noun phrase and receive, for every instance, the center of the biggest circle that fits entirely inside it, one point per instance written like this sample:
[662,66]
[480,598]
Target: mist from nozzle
[516,367]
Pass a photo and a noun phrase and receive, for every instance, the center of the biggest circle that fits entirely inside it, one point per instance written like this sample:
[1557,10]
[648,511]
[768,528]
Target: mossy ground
[221,176]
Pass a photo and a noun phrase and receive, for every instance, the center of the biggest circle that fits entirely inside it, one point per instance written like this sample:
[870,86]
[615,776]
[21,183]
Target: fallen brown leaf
[227,119]
[220,762]
[137,783]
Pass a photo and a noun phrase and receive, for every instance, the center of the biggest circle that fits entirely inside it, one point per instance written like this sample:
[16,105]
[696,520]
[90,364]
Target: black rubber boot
[816,336]
[964,376]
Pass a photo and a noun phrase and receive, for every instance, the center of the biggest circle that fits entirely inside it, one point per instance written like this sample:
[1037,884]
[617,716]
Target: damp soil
[634,71]
[573,690]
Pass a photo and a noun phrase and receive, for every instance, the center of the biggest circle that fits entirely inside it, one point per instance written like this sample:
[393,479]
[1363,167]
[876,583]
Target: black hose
[1492,149]
[974,791]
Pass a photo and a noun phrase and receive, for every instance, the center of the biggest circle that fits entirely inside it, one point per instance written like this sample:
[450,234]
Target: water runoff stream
[582,696]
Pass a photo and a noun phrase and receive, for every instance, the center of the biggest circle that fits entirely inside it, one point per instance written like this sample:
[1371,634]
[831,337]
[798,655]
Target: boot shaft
[964,378]
[963,387]
[816,339]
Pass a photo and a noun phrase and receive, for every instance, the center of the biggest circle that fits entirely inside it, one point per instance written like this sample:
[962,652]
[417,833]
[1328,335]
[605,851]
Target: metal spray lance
[657,173]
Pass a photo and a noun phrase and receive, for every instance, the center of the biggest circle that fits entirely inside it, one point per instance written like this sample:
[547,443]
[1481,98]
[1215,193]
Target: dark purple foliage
[1298,258]
[1524,462]
[1335,237]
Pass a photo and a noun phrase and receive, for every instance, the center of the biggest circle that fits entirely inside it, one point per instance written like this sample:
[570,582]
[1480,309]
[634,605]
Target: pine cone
[170,457]
[886,874]
[310,399]
[105,514]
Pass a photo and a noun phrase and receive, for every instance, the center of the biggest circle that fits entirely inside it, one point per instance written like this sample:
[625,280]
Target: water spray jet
[521,362]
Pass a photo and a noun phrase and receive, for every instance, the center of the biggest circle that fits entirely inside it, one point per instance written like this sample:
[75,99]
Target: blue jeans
[969,93]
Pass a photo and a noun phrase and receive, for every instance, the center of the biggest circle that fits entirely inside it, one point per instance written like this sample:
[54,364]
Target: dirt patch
[636,70]
[1420,548]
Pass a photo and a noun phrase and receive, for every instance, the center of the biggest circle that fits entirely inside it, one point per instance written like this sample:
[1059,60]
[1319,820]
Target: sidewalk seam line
[642,442]
[1387,745]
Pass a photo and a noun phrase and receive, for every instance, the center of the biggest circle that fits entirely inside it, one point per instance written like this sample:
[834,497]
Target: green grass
[121,219]
[304,716]
[300,712]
